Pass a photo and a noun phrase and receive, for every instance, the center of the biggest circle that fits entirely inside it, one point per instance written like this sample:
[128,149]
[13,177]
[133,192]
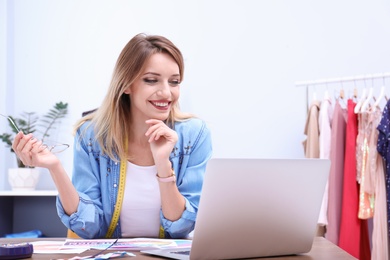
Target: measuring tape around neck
[119,199]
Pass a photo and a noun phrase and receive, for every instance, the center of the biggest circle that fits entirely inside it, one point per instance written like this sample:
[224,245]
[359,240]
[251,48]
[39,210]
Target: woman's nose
[164,90]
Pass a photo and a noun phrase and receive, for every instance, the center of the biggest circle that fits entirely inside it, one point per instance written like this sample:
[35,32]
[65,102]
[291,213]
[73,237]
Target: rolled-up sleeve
[87,221]
[191,165]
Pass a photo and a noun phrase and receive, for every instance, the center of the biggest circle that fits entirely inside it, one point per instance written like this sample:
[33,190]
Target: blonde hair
[110,120]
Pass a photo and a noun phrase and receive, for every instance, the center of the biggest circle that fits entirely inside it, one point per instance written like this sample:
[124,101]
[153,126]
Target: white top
[140,214]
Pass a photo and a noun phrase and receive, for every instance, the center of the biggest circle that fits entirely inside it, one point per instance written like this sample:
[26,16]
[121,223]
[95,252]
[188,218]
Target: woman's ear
[128,90]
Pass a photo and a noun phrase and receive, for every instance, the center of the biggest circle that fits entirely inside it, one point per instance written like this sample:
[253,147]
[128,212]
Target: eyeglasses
[52,146]
[105,249]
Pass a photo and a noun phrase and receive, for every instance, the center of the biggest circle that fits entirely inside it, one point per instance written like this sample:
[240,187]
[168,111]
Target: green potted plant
[41,127]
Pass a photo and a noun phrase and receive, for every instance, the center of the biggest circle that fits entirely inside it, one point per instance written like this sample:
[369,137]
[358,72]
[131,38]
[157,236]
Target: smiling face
[153,94]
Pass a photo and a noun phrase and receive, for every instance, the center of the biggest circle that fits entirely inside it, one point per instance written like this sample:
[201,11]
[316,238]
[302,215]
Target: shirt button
[114,185]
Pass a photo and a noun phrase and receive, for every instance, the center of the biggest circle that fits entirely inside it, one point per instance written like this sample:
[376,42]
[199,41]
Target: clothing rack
[309,83]
[342,79]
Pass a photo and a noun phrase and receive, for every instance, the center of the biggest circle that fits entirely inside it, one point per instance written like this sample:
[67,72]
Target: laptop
[256,208]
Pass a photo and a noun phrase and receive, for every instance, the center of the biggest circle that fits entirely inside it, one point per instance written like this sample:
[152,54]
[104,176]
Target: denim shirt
[96,178]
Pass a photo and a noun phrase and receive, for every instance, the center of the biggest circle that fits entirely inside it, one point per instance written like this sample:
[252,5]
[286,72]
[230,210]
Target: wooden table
[322,250]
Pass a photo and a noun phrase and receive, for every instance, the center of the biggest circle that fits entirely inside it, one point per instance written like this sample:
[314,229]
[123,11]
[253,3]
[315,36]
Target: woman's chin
[161,117]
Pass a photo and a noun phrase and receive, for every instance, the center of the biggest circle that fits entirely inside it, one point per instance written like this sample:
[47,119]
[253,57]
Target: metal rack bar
[342,79]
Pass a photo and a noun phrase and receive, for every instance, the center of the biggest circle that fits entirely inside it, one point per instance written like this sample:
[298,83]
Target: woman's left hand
[32,152]
[162,139]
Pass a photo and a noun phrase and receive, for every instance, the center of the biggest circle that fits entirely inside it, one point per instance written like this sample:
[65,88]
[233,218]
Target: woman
[138,161]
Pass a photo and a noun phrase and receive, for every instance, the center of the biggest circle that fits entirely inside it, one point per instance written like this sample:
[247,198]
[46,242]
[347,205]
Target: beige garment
[311,144]
[364,152]
[379,249]
[376,187]
[359,144]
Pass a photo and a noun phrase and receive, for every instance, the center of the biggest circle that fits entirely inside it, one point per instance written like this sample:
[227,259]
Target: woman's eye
[150,81]
[174,82]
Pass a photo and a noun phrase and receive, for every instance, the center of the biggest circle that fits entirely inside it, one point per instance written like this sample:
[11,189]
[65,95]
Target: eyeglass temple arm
[12,122]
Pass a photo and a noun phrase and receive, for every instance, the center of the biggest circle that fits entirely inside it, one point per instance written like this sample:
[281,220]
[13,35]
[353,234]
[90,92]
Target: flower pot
[23,178]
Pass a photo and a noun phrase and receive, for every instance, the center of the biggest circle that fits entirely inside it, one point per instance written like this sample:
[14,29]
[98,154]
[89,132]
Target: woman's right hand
[32,153]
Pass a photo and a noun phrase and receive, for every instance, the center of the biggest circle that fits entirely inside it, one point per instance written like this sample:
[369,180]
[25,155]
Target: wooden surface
[322,250]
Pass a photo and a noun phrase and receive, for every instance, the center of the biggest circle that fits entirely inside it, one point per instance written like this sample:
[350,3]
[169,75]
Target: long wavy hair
[111,120]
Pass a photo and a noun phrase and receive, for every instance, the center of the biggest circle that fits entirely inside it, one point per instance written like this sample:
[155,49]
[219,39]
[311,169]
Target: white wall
[3,65]
[242,59]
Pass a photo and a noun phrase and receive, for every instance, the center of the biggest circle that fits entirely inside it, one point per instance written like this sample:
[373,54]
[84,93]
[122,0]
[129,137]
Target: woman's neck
[137,134]
[139,149]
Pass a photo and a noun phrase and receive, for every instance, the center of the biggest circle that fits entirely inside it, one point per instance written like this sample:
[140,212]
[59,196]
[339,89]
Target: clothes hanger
[315,94]
[384,84]
[326,93]
[366,103]
[370,96]
[361,100]
[341,96]
[355,94]
[378,100]
[381,95]
[342,92]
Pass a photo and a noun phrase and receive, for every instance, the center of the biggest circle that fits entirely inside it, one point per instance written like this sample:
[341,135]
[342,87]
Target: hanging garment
[366,199]
[325,128]
[361,158]
[311,144]
[375,176]
[336,173]
[349,238]
[384,150]
[359,146]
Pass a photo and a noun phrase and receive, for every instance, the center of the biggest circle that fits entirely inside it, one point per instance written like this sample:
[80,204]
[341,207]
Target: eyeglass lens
[57,148]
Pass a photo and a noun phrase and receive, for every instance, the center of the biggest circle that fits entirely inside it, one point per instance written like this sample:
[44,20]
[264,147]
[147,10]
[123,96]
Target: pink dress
[336,174]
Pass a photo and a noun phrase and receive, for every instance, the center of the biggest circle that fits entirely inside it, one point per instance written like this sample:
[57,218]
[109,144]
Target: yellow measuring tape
[119,200]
